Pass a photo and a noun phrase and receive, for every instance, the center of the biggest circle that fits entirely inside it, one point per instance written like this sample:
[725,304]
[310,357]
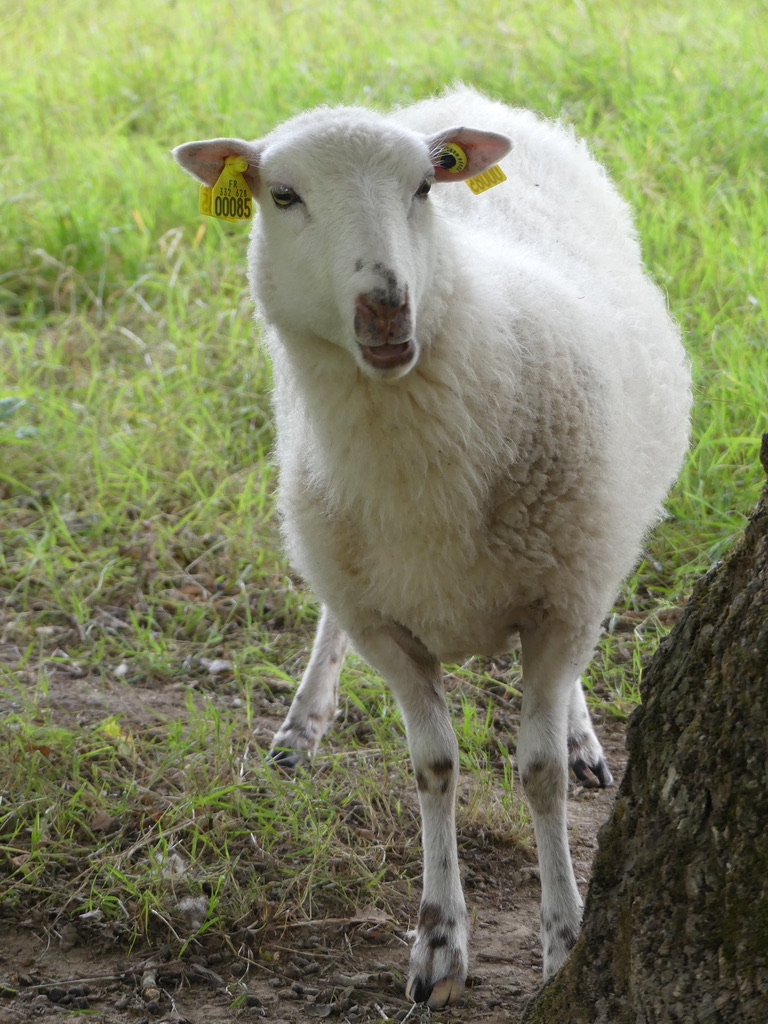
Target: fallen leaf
[101,821]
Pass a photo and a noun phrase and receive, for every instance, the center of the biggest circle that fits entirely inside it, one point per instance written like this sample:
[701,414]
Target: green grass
[138,537]
[136,824]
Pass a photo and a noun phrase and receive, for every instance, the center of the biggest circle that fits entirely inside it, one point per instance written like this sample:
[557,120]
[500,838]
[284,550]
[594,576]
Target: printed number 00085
[229,206]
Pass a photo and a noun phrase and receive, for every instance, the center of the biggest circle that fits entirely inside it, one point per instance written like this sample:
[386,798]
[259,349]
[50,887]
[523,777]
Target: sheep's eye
[283,196]
[423,190]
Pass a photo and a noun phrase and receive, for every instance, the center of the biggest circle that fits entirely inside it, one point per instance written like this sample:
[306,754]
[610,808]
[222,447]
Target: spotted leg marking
[438,967]
[553,656]
[314,704]
[585,754]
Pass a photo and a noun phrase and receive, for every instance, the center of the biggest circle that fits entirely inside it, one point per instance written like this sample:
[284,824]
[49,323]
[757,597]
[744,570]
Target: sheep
[480,404]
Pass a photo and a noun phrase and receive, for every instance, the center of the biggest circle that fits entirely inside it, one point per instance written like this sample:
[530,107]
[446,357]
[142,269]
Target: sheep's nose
[381,323]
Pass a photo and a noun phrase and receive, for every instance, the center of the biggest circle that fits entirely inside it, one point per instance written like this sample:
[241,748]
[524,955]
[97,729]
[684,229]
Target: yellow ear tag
[230,198]
[487,179]
[452,158]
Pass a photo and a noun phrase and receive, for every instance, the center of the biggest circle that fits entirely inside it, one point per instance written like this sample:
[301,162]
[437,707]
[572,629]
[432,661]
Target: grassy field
[138,546]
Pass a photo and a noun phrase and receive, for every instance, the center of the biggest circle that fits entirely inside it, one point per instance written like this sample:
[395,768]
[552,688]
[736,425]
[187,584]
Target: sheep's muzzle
[383,329]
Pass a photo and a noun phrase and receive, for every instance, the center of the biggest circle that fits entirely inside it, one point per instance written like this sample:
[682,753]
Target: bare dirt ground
[348,969]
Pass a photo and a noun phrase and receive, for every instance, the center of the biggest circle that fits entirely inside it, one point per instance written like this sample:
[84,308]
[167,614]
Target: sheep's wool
[515,469]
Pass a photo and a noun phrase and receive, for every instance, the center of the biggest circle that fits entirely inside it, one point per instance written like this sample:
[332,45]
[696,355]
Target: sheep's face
[343,249]
[346,249]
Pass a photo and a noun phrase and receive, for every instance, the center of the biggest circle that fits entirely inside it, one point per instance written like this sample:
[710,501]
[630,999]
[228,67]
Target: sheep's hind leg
[553,656]
[438,967]
[585,754]
[314,704]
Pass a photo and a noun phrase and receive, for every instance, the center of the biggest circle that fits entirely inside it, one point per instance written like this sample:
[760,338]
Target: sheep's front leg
[314,704]
[553,657]
[438,967]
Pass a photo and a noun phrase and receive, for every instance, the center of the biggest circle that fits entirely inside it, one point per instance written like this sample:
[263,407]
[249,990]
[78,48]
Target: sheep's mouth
[389,357]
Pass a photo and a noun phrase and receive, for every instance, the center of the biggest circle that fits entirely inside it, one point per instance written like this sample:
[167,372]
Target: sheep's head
[345,247]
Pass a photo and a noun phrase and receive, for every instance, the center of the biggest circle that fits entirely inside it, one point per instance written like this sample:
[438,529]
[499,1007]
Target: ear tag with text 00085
[230,198]
[486,179]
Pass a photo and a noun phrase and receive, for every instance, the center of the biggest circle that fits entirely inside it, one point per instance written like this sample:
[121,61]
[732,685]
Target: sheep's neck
[376,447]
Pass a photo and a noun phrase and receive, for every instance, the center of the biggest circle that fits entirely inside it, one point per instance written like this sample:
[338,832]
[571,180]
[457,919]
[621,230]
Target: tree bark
[676,920]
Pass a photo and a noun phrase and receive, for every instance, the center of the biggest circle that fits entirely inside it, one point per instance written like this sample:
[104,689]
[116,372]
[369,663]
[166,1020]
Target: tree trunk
[676,921]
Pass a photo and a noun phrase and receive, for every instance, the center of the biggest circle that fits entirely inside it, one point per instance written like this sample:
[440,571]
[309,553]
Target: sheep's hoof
[442,993]
[593,776]
[285,759]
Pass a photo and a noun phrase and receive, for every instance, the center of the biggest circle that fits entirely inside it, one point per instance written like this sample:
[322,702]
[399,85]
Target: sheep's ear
[205,160]
[462,153]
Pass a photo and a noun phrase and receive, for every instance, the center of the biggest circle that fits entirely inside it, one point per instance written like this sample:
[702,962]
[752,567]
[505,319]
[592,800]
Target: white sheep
[481,402]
